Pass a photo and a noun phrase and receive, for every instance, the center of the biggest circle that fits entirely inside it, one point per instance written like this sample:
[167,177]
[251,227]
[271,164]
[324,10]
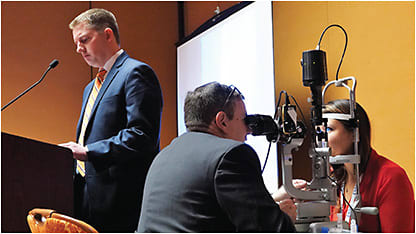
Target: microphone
[53,64]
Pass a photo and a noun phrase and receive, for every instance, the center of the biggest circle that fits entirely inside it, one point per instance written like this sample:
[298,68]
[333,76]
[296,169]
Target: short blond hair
[98,19]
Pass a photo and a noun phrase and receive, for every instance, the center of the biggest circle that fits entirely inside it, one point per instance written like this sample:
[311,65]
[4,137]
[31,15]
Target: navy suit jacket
[122,137]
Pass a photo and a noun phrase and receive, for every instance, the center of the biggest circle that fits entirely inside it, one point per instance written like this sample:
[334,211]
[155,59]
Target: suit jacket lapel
[110,77]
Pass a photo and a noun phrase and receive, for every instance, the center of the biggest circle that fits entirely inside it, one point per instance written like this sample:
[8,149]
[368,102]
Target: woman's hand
[281,193]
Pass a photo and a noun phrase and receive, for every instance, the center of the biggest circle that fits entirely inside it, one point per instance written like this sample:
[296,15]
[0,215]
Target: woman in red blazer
[383,183]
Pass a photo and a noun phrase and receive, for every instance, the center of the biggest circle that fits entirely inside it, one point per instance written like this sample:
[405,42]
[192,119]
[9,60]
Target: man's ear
[221,120]
[109,34]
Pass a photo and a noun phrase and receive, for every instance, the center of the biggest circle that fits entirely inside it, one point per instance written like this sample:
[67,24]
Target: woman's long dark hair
[364,146]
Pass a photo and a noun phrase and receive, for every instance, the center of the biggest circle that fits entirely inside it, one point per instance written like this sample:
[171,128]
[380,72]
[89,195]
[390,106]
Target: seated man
[208,180]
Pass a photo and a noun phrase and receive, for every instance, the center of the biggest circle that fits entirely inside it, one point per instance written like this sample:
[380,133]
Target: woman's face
[339,138]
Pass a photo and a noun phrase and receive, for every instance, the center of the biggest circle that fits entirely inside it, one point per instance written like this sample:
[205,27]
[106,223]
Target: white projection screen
[236,51]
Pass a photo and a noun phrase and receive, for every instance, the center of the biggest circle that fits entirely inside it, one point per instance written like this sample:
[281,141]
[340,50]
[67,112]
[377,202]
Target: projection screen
[238,50]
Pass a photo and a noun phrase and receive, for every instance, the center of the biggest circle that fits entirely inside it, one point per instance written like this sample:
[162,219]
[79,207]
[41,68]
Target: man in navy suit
[118,129]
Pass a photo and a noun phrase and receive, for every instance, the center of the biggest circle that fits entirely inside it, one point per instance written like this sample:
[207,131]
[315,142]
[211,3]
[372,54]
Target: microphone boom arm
[53,64]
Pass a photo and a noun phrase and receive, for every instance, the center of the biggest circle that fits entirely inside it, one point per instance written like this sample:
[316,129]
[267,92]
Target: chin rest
[48,221]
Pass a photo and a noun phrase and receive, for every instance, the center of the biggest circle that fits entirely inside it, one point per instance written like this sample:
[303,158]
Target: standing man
[118,130]
[208,180]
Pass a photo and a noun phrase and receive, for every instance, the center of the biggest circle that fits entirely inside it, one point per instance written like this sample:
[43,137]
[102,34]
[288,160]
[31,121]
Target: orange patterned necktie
[99,79]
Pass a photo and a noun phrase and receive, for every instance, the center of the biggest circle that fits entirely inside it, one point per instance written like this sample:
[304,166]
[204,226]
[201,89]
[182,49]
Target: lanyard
[353,202]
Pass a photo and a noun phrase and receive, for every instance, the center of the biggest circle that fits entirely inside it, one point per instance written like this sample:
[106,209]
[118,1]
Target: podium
[33,175]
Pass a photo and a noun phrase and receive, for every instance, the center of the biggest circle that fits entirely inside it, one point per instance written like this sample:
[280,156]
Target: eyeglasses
[234,89]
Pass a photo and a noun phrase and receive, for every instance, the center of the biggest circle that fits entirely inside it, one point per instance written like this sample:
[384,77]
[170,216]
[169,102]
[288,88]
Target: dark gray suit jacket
[203,183]
[122,137]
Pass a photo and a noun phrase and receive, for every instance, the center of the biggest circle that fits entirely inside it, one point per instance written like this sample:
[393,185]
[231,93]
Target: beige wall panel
[380,55]
[33,34]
